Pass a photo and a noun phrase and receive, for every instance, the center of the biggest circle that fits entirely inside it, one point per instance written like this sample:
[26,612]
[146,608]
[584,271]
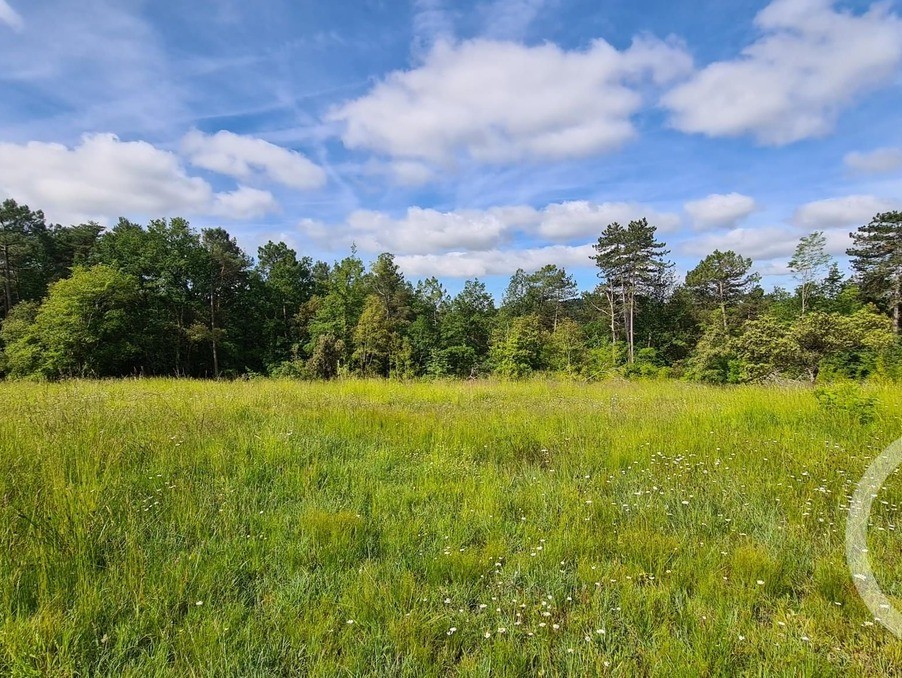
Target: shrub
[849,399]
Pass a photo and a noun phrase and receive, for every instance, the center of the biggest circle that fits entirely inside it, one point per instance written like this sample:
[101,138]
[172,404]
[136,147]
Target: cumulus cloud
[719,211]
[245,157]
[428,231]
[580,218]
[764,243]
[422,231]
[757,243]
[848,211]
[10,17]
[103,177]
[243,203]
[500,101]
[810,62]
[495,261]
[877,161]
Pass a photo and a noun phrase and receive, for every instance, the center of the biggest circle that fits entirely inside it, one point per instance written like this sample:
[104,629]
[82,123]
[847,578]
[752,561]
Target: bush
[849,399]
[454,361]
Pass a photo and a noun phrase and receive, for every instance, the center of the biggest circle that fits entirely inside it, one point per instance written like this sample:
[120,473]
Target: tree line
[166,299]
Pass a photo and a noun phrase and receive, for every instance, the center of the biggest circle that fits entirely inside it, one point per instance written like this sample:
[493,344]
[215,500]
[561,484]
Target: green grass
[279,528]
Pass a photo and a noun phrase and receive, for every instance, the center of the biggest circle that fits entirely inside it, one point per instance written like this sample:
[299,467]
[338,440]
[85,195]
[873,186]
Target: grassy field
[281,528]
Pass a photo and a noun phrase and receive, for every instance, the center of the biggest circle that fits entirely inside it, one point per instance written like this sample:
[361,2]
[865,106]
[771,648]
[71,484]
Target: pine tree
[722,277]
[876,257]
[630,262]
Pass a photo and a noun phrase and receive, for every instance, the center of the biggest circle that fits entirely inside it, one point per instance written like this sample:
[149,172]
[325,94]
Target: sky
[469,138]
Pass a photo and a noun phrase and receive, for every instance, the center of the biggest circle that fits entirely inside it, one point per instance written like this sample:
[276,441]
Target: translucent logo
[857,538]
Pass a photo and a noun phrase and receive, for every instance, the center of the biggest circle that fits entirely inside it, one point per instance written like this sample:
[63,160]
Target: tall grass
[279,528]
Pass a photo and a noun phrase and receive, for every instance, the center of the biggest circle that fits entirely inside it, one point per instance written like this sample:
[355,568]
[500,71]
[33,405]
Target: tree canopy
[167,299]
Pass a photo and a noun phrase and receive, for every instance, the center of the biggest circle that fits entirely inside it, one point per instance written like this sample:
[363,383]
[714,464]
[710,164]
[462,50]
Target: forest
[168,300]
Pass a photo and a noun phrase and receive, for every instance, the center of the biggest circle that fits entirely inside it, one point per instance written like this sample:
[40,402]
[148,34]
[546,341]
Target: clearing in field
[348,528]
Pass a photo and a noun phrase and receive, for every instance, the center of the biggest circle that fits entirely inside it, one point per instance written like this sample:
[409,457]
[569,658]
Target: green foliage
[646,365]
[25,255]
[453,361]
[715,360]
[83,328]
[567,347]
[518,348]
[876,256]
[808,263]
[325,360]
[203,308]
[374,339]
[848,399]
[542,293]
[721,279]
[631,263]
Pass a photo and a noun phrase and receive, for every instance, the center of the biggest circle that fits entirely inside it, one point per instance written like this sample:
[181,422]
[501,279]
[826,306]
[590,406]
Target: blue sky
[469,138]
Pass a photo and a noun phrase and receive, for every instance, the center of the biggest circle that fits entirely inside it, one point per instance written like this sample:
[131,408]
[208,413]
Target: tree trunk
[213,334]
[7,284]
[723,306]
[631,331]
[897,305]
[610,295]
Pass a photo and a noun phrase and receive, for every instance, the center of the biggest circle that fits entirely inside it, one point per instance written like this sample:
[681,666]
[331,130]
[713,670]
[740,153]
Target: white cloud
[762,244]
[510,19]
[500,101]
[410,172]
[494,262]
[10,17]
[103,177]
[849,211]
[719,210]
[243,157]
[877,161]
[422,231]
[100,64]
[432,22]
[757,243]
[244,203]
[580,218]
[790,84]
[428,231]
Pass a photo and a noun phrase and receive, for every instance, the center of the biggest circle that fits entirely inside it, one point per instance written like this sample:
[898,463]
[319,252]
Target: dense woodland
[168,300]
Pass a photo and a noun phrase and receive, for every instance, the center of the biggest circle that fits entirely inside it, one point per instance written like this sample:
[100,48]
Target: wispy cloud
[10,17]
[101,65]
[511,19]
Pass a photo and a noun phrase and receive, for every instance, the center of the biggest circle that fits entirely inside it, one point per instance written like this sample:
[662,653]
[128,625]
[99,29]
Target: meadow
[163,527]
